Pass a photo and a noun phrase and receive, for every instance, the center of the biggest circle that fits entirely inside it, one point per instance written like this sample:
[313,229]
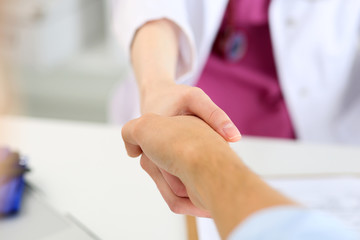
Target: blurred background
[65,62]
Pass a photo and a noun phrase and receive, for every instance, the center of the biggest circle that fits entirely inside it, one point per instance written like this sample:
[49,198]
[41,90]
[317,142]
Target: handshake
[196,171]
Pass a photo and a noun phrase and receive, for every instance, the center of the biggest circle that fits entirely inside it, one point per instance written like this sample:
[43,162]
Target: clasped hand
[170,99]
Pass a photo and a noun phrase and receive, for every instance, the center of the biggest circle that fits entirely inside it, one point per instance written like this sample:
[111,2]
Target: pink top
[242,80]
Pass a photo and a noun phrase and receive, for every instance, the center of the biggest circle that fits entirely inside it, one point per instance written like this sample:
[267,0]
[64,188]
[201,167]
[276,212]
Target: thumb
[202,106]
[128,133]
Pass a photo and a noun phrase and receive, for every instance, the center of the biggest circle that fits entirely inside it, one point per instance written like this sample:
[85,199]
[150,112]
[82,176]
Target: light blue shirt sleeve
[292,223]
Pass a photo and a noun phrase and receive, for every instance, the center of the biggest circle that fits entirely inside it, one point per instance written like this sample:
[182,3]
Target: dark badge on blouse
[231,45]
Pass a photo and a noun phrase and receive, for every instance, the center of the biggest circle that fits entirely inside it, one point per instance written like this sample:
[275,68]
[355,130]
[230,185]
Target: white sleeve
[197,23]
[292,223]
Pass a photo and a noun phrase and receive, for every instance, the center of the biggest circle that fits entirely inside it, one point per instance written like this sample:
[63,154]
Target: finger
[132,150]
[202,106]
[176,204]
[128,134]
[175,184]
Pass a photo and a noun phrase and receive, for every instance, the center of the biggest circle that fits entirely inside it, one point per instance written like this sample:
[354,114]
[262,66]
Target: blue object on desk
[11,190]
[11,196]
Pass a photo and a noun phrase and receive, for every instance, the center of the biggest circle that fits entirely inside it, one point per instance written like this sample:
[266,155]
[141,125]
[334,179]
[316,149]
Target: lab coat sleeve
[130,15]
[292,223]
[197,23]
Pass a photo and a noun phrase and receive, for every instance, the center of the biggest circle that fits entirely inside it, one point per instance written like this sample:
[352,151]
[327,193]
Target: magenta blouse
[240,75]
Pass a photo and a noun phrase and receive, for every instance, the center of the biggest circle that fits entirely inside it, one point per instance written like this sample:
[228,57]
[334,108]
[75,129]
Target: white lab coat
[316,46]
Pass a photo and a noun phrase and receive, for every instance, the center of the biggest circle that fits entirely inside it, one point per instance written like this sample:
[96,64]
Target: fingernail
[231,132]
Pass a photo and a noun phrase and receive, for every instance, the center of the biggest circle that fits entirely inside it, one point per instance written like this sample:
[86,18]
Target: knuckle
[175,207]
[142,123]
[214,114]
[193,92]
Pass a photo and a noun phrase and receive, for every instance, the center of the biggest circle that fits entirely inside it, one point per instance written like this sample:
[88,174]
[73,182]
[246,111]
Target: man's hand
[216,180]
[172,144]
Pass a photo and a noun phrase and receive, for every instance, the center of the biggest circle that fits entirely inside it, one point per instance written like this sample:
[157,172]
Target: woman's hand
[170,99]
[155,54]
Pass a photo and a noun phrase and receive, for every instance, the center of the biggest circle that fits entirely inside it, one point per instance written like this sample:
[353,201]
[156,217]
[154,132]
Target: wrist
[228,189]
[149,88]
[212,172]
[147,85]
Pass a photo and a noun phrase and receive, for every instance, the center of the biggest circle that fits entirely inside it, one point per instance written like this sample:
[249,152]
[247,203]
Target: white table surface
[83,169]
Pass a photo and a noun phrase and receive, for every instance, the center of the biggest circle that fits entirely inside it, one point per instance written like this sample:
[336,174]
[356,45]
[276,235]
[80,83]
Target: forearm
[230,190]
[154,54]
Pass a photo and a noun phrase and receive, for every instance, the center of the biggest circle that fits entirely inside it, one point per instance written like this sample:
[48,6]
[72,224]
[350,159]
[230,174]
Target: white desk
[83,170]
[281,158]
